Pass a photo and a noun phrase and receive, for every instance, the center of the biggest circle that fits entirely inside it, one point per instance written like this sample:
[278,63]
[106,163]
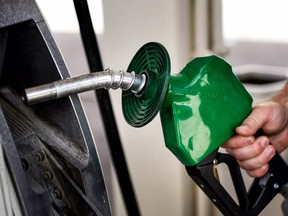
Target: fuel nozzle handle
[98,80]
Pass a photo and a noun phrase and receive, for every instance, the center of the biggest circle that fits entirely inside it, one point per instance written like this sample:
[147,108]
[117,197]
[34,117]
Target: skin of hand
[254,152]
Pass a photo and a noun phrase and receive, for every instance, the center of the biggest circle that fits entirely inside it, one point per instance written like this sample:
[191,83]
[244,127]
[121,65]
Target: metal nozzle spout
[104,79]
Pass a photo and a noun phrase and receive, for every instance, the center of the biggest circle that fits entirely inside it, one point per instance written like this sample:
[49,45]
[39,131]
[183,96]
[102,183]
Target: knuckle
[237,155]
[244,165]
[262,160]
[258,149]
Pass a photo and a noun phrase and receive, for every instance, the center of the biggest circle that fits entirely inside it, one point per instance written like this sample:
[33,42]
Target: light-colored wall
[257,20]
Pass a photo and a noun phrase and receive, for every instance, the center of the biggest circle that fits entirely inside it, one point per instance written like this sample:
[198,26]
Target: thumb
[253,122]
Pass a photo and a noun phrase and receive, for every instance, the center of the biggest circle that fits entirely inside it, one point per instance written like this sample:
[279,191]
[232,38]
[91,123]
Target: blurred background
[250,35]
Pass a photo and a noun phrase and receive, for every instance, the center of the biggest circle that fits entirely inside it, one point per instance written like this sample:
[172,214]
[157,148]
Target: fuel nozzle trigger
[249,202]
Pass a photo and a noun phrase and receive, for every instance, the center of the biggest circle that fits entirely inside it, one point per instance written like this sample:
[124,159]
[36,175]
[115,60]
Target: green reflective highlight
[203,105]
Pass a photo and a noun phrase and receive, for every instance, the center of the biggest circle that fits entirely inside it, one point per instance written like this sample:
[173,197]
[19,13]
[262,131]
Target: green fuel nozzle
[200,107]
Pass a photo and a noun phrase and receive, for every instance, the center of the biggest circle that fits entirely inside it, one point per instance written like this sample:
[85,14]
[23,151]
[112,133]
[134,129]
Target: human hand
[253,153]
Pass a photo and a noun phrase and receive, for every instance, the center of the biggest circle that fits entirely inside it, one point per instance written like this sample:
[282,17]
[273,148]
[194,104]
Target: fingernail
[249,140]
[244,127]
[265,167]
[264,142]
[270,152]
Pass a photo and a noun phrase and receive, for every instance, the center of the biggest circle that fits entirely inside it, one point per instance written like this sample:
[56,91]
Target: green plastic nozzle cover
[204,104]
